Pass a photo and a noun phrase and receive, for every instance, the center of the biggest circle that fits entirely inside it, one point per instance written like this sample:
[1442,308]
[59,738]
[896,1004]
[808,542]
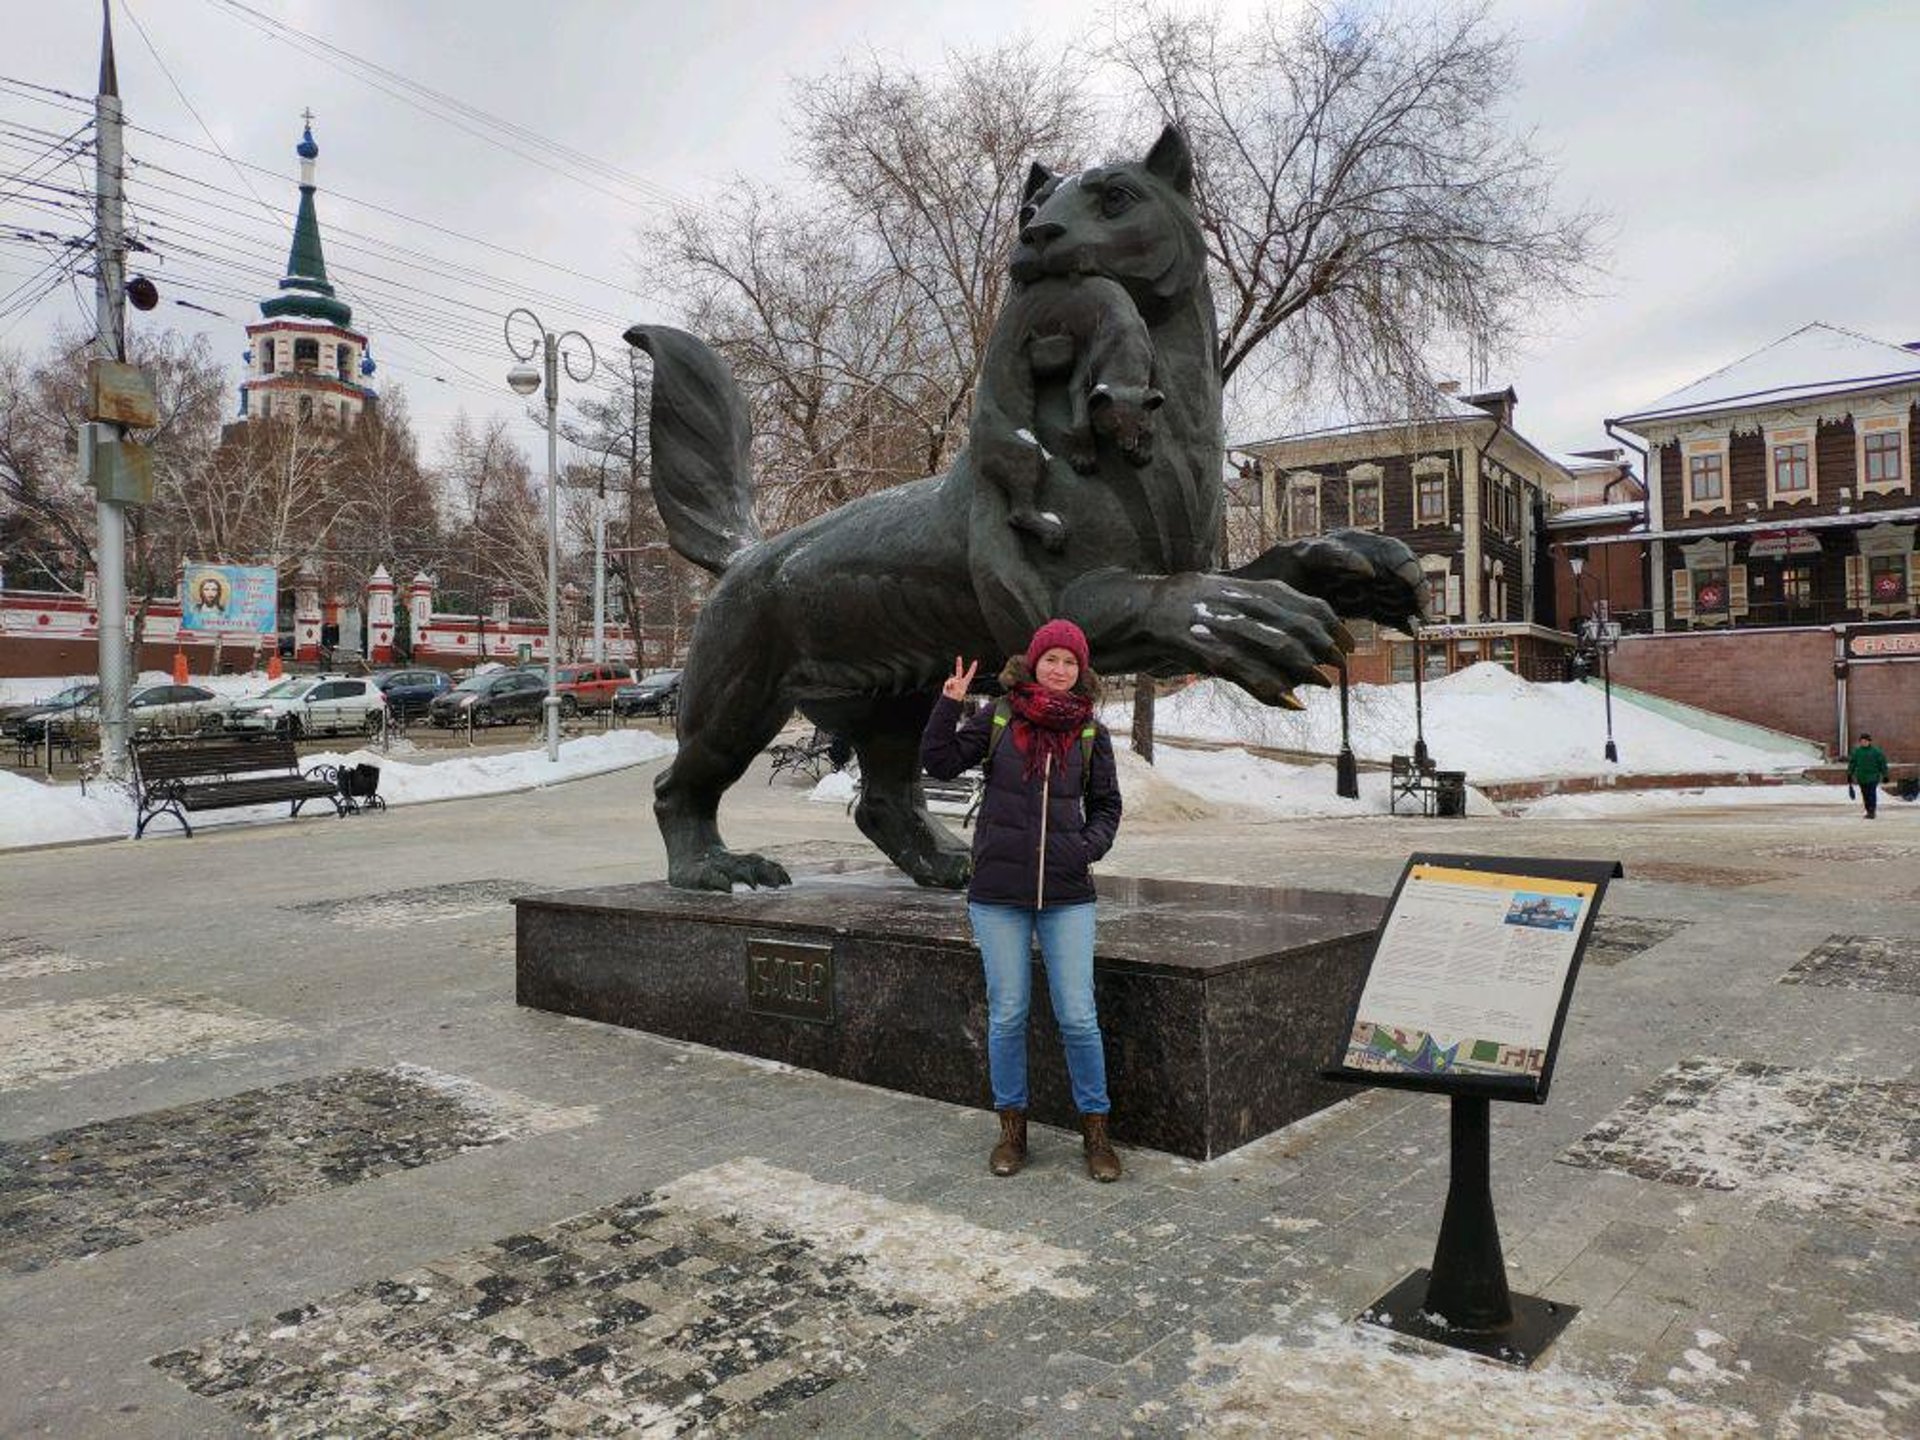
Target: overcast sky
[1756,157]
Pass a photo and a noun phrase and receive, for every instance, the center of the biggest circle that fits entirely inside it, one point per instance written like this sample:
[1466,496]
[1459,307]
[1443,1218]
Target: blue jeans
[1005,936]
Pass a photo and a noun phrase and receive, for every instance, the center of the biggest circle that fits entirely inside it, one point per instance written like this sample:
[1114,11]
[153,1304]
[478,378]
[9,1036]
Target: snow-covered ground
[1484,720]
[35,814]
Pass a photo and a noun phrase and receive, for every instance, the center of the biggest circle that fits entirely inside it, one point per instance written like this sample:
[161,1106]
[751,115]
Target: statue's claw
[722,869]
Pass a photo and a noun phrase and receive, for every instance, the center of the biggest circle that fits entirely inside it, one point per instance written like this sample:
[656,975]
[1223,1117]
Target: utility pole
[109,295]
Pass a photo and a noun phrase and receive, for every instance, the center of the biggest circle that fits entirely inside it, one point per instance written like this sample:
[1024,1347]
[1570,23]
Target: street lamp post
[525,378]
[1597,629]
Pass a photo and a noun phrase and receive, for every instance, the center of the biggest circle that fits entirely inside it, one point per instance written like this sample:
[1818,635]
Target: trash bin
[1450,793]
[359,786]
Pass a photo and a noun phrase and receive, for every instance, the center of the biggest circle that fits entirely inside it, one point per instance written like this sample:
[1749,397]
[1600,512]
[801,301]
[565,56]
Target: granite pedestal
[1219,1003]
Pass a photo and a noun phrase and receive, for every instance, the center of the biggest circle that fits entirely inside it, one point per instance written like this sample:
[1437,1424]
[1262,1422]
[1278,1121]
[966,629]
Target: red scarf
[1047,723]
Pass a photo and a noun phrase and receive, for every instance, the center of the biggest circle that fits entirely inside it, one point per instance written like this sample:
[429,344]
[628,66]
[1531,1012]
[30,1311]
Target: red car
[590,687]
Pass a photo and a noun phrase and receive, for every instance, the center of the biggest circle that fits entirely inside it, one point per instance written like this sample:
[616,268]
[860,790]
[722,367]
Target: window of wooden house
[1430,498]
[1792,468]
[1886,579]
[1706,478]
[1880,450]
[266,356]
[343,362]
[1303,508]
[1365,505]
[1706,468]
[1710,590]
[1790,473]
[1796,586]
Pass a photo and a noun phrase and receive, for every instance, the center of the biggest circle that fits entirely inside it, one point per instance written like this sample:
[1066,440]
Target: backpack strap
[1003,717]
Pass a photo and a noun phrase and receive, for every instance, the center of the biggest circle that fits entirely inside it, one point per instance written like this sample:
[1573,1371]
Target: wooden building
[1780,488]
[1467,493]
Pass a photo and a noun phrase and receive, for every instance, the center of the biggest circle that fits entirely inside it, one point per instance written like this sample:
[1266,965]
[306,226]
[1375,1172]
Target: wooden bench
[172,777]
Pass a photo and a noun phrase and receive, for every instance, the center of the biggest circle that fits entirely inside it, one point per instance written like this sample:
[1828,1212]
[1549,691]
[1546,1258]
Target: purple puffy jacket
[1080,821]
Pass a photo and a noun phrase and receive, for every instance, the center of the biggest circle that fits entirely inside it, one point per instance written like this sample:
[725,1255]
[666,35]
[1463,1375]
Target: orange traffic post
[179,667]
[273,664]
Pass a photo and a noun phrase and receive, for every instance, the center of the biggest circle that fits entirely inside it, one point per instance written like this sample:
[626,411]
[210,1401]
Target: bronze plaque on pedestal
[789,979]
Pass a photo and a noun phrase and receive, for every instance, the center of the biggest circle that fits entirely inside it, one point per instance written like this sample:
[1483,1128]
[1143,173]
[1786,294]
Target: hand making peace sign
[956,684]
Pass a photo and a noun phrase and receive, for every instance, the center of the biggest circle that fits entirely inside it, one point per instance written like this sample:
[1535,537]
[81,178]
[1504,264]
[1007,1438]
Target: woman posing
[1050,809]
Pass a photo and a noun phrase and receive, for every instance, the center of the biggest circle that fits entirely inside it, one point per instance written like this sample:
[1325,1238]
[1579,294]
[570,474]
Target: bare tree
[933,169]
[1366,209]
[856,315]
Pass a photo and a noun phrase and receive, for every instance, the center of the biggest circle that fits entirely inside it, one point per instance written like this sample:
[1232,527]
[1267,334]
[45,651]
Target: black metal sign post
[1462,1300]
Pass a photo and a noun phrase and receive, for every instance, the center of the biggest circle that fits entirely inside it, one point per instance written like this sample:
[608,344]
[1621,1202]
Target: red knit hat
[1057,635]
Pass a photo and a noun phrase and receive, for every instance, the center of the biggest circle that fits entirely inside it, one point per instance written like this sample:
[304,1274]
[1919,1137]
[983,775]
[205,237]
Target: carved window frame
[1890,422]
[1361,477]
[1716,447]
[1436,468]
[1784,437]
[1301,483]
[1443,586]
[1886,541]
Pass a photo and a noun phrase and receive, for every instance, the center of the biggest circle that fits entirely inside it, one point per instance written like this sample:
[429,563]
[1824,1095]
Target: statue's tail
[702,470]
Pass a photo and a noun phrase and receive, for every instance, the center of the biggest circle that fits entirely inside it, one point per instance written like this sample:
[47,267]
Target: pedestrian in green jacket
[1867,768]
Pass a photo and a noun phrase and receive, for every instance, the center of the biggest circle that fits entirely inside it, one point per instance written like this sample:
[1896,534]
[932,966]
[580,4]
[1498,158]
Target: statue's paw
[1049,529]
[1372,577]
[947,870]
[722,869]
[1083,458]
[1263,635]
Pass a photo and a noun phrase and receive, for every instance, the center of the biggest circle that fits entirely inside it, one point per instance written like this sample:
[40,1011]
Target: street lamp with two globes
[524,379]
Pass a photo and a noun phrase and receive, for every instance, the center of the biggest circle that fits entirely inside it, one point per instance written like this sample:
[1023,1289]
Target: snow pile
[52,1041]
[1346,1379]
[909,1252]
[1484,720]
[36,814]
[1233,779]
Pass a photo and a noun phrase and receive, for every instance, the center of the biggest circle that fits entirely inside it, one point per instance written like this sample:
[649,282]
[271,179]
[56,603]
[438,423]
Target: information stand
[1467,994]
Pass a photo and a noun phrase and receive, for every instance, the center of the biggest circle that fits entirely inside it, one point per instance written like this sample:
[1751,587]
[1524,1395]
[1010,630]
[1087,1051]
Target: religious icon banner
[229,599]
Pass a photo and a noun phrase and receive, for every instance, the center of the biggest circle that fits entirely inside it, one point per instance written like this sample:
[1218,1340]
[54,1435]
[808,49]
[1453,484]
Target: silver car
[313,705]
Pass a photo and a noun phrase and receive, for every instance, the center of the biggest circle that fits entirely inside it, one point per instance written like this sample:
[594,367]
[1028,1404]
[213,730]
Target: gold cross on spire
[307,115]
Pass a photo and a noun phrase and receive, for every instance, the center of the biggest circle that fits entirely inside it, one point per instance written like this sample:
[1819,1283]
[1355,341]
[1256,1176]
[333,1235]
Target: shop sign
[1777,544]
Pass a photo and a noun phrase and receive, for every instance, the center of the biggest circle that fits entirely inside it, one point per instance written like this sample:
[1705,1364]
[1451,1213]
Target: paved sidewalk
[279,1154]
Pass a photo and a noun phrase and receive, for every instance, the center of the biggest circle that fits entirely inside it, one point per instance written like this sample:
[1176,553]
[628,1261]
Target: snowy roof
[1593,514]
[1816,359]
[1577,464]
[1447,408]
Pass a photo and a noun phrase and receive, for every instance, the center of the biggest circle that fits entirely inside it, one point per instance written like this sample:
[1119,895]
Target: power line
[126,6]
[453,111]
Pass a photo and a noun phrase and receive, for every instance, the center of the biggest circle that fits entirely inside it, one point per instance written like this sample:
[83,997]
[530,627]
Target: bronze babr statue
[854,618]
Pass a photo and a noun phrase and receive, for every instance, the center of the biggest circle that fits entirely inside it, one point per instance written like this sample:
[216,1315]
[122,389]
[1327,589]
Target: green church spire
[305,292]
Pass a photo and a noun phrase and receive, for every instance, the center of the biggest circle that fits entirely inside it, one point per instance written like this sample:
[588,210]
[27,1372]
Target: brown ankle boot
[1011,1153]
[1102,1163]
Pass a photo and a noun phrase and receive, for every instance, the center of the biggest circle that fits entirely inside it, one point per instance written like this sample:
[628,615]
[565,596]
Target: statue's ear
[1036,177]
[1171,160]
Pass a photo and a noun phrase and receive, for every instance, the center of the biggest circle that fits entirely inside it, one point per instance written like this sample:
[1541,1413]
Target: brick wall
[1778,678]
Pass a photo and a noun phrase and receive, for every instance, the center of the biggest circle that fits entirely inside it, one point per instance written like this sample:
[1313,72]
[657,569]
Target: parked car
[14,719]
[410,693]
[313,705]
[492,698]
[657,693]
[174,709]
[590,687]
